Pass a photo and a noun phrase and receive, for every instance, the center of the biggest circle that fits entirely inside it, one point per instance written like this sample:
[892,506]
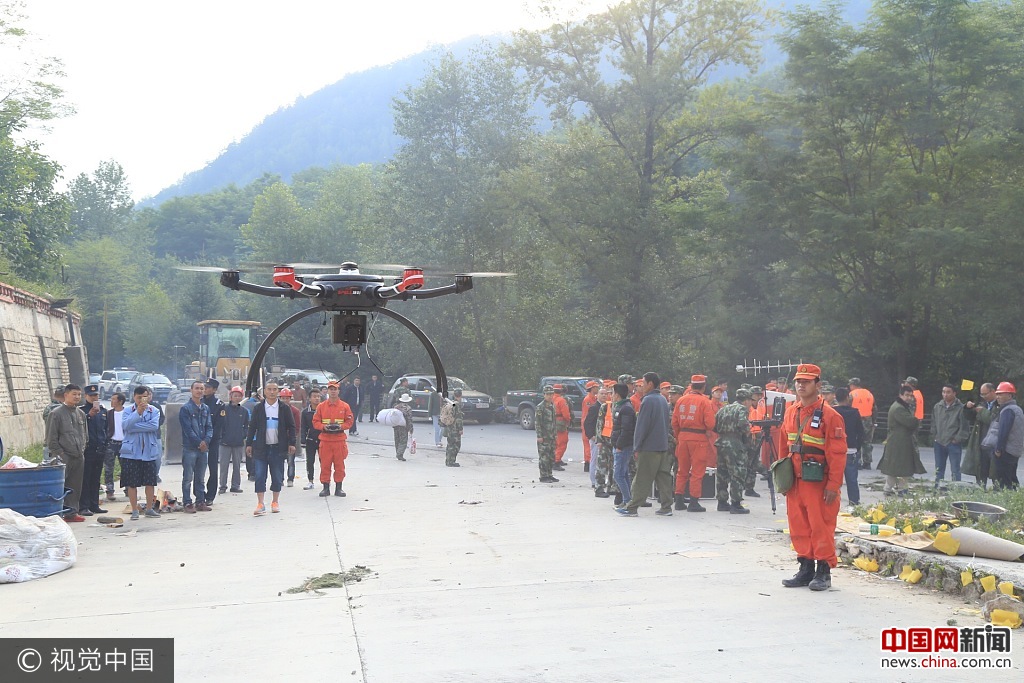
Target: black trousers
[91,475]
[311,457]
[214,470]
[1006,471]
[374,408]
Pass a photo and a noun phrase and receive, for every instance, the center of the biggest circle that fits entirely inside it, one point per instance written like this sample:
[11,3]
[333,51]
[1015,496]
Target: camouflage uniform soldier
[733,427]
[404,403]
[544,422]
[454,432]
[401,390]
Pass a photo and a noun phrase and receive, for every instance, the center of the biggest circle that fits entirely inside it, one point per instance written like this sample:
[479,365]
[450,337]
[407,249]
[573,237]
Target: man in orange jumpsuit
[816,435]
[332,419]
[693,422]
[864,402]
[588,400]
[563,418]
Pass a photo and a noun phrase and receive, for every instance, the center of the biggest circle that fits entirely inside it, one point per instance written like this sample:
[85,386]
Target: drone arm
[462,284]
[231,280]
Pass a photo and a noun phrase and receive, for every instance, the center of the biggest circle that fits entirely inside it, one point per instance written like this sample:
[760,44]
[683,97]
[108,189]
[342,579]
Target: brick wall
[32,337]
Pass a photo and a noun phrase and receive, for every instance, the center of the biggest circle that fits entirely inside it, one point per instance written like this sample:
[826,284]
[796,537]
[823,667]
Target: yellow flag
[966,385]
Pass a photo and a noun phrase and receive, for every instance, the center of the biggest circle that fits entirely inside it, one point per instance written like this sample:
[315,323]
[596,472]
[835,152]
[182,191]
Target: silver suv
[113,381]
[476,405]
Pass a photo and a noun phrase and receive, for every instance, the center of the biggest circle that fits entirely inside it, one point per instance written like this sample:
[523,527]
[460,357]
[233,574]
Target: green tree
[150,319]
[33,214]
[101,204]
[636,72]
[446,198]
[100,273]
[882,193]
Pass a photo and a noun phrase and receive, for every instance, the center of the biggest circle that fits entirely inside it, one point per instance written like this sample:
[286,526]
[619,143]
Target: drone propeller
[205,269]
[483,274]
[328,266]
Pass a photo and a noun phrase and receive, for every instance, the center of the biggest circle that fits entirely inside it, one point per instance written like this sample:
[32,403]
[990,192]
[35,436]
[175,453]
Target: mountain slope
[350,122]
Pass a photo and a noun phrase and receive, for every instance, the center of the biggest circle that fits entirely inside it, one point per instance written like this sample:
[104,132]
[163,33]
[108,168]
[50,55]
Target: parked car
[476,405]
[322,377]
[113,381]
[161,386]
[94,378]
[521,404]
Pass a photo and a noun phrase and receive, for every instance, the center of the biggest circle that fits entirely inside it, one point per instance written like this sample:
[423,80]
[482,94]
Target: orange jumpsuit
[692,422]
[864,402]
[588,400]
[333,445]
[563,418]
[812,523]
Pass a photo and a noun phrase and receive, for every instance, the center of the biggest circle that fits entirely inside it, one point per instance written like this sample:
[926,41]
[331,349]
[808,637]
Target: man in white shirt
[116,433]
[269,440]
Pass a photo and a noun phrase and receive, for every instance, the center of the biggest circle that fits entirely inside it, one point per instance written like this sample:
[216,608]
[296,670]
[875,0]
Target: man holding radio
[816,436]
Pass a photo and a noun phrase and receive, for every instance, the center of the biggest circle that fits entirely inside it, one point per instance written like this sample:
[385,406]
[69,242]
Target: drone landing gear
[349,328]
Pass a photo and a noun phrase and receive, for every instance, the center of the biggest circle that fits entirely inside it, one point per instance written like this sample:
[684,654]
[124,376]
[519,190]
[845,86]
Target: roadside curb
[939,572]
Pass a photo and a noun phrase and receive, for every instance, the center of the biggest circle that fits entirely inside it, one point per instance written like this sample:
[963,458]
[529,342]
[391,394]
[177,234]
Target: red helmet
[286,393]
[1006,388]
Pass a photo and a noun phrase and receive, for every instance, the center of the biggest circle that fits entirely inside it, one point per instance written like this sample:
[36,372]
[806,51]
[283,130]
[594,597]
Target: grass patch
[32,453]
[923,501]
[332,580]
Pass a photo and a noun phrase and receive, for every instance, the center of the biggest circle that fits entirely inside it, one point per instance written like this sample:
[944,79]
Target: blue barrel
[35,491]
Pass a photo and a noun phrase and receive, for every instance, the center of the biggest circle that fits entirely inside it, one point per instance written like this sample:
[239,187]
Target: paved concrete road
[480,574]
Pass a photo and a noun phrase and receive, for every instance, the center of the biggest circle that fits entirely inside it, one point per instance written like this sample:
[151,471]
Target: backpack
[447,416]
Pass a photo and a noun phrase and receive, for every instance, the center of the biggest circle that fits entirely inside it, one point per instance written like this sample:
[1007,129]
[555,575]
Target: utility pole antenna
[757,367]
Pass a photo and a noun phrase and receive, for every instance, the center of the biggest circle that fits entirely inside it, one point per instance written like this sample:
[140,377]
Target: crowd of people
[266,433]
[637,433]
[645,431]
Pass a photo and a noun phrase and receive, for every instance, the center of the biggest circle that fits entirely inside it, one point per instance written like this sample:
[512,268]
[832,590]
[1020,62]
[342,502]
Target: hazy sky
[163,87]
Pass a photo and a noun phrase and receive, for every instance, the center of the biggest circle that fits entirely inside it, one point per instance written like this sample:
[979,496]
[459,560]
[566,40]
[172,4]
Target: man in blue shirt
[196,435]
[650,443]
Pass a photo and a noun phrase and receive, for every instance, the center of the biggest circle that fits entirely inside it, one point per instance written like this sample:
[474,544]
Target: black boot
[723,506]
[586,467]
[803,577]
[600,492]
[737,509]
[326,492]
[680,502]
[695,506]
[337,490]
[822,577]
[751,493]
